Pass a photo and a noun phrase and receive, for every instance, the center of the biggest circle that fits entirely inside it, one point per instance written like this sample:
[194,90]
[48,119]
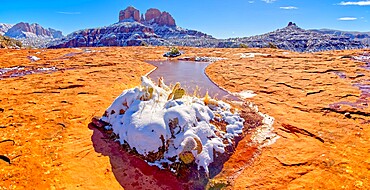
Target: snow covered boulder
[170,129]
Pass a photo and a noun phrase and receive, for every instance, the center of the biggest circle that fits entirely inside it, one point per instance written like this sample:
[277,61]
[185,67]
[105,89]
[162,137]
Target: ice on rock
[174,129]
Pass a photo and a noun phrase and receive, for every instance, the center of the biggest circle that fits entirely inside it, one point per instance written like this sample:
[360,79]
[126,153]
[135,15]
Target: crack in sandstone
[294,164]
[361,113]
[315,92]
[267,92]
[301,174]
[302,109]
[287,85]
[348,95]
[8,140]
[45,92]
[70,86]
[4,158]
[292,129]
[322,72]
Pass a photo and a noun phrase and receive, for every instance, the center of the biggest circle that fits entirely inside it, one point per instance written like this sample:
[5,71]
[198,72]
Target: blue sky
[220,18]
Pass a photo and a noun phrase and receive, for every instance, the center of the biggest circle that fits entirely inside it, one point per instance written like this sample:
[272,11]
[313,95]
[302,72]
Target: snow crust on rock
[252,55]
[148,122]
[245,94]
[33,58]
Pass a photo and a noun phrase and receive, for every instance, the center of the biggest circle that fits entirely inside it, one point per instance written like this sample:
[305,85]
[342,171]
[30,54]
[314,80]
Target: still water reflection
[191,75]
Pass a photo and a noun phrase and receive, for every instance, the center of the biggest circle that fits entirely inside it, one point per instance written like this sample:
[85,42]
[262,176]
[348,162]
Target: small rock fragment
[347,115]
[186,157]
[179,93]
[98,123]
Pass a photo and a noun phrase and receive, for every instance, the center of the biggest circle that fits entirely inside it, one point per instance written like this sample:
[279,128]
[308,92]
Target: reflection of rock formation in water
[131,171]
[191,75]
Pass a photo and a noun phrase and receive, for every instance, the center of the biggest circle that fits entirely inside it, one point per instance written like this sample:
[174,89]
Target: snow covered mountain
[159,28]
[119,34]
[297,39]
[33,35]
[133,29]
[4,28]
[364,37]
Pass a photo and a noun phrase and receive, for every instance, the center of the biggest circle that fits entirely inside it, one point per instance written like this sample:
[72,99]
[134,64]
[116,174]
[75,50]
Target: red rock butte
[129,13]
[152,15]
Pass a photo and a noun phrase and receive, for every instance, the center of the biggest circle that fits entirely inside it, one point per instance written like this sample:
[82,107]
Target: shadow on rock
[131,171]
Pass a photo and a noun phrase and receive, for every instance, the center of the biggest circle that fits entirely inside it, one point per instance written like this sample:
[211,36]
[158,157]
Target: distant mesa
[152,16]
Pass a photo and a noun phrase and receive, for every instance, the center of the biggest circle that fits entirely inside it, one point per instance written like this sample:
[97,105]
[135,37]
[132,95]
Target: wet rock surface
[48,119]
[22,71]
[323,142]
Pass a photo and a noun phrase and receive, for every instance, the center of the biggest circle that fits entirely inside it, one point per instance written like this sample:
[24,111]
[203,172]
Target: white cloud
[250,1]
[289,7]
[69,13]
[269,1]
[360,3]
[347,18]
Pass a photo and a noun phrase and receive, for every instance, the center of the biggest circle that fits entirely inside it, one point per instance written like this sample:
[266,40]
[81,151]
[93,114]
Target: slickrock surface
[47,116]
[44,119]
[319,148]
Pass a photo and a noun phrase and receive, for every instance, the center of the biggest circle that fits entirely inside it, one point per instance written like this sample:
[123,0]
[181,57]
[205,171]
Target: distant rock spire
[291,24]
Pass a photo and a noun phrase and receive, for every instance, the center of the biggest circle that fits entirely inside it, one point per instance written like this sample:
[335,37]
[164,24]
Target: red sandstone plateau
[319,102]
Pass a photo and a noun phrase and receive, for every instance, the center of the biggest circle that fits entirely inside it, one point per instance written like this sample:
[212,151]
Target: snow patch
[33,58]
[245,94]
[209,59]
[148,122]
[252,55]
